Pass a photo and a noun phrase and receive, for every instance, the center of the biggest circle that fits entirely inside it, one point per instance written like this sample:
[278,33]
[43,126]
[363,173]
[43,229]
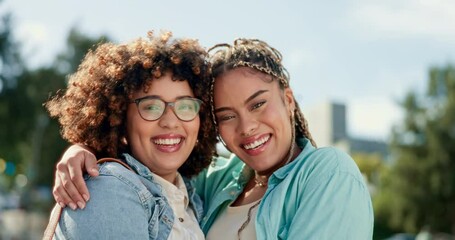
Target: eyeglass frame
[137,101]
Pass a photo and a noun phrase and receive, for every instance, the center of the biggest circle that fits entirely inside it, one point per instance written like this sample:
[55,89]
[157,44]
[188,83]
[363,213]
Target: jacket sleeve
[115,210]
[334,205]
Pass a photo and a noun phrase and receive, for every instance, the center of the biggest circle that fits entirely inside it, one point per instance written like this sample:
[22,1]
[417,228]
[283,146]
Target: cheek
[129,123]
[197,126]
[229,136]
[135,125]
[193,127]
[279,109]
[222,130]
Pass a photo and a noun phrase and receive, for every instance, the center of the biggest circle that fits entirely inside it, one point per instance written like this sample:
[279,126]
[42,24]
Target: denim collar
[145,172]
[137,166]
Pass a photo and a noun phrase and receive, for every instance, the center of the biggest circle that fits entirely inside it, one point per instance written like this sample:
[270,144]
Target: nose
[169,119]
[248,126]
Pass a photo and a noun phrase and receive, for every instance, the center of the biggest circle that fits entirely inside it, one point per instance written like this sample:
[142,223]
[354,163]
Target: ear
[124,141]
[289,100]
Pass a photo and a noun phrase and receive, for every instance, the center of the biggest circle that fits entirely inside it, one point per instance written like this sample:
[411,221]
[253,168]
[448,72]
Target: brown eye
[257,105]
[224,118]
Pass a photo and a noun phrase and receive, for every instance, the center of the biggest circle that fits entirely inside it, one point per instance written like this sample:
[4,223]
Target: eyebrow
[159,97]
[245,102]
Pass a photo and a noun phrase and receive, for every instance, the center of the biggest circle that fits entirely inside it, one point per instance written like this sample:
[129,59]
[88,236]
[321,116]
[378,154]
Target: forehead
[242,80]
[166,88]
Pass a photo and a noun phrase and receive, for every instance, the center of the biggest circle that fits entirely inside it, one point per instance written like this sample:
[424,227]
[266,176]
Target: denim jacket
[123,205]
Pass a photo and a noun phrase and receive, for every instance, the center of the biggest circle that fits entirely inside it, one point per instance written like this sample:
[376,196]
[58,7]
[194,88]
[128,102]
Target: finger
[90,164]
[60,195]
[77,179]
[70,188]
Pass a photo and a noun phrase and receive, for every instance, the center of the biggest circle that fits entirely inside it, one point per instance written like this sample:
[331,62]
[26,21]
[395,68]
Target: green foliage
[28,138]
[419,188]
[11,67]
[370,164]
[78,45]
[10,62]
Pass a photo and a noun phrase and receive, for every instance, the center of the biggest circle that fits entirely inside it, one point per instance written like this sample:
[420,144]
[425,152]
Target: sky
[365,54]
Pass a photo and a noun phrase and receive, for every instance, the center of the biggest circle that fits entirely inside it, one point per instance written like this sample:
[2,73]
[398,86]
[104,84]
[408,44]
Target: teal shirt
[319,195]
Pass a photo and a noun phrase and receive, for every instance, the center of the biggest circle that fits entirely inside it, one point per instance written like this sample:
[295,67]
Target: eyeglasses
[151,108]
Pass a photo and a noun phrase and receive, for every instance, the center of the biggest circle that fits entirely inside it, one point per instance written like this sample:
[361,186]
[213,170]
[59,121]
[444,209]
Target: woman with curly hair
[143,102]
[278,185]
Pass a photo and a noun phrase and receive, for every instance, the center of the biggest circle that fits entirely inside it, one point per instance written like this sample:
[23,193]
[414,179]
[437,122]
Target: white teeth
[167,141]
[256,143]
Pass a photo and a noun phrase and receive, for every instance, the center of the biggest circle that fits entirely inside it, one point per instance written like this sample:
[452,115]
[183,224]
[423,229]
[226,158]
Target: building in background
[327,123]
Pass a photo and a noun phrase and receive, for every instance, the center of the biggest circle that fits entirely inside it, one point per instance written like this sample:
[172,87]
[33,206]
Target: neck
[261,180]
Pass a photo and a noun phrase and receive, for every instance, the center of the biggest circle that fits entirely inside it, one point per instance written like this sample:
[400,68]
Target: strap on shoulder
[102,160]
[53,221]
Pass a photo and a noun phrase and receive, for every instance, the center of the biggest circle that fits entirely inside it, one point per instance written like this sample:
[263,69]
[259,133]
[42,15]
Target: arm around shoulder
[114,211]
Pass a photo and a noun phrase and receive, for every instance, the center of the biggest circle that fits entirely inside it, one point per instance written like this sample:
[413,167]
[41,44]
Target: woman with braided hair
[278,185]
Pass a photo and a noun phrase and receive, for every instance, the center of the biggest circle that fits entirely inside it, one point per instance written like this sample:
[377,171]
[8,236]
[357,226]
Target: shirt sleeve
[337,205]
[114,211]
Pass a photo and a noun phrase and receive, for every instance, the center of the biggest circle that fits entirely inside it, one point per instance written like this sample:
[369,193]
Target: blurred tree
[28,138]
[10,62]
[11,66]
[46,81]
[370,164]
[77,46]
[419,188]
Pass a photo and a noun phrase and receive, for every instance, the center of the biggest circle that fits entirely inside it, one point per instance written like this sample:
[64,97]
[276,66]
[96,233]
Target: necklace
[261,181]
[248,219]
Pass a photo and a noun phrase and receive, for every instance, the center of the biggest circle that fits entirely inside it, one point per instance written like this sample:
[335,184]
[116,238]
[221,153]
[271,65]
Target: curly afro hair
[92,110]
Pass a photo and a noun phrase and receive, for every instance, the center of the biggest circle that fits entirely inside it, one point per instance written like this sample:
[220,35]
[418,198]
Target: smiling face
[162,145]
[253,116]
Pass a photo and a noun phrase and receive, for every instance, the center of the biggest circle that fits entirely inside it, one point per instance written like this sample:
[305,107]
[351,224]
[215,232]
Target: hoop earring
[292,147]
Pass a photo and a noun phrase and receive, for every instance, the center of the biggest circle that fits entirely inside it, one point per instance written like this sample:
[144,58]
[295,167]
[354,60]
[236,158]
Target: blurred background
[375,78]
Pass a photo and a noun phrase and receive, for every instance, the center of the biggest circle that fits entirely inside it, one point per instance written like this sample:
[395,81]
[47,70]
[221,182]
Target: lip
[168,143]
[258,150]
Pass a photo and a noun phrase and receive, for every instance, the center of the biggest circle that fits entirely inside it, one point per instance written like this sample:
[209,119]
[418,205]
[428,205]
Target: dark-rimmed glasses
[151,108]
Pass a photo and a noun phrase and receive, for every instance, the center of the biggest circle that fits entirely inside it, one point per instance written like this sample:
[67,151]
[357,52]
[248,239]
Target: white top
[227,225]
[185,223]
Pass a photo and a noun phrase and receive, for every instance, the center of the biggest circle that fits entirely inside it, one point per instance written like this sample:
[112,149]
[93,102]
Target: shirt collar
[171,190]
[281,173]
[307,148]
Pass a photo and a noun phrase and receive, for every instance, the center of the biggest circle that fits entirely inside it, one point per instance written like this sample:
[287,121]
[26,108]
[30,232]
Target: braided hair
[260,56]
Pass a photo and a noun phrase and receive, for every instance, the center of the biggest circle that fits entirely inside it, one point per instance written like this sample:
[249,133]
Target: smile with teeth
[167,141]
[256,143]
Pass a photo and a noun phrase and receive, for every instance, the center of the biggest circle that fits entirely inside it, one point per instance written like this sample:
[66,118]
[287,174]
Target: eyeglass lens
[186,109]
